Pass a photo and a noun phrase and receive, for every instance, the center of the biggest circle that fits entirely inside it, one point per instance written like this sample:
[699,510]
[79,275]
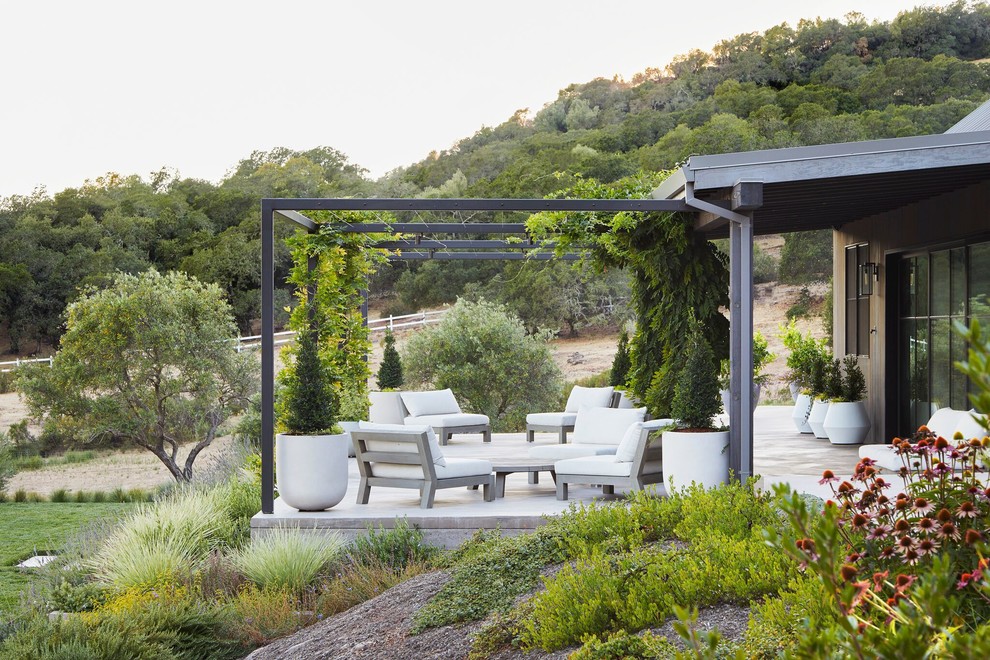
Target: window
[857,301]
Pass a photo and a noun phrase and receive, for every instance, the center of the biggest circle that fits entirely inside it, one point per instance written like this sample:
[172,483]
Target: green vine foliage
[675,273]
[329,312]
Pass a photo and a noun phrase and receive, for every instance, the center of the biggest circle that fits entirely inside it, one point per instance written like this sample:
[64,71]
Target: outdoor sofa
[635,464]
[562,423]
[409,456]
[597,431]
[436,408]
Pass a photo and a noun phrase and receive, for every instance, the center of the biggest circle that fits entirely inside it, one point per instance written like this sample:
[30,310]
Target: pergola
[736,212]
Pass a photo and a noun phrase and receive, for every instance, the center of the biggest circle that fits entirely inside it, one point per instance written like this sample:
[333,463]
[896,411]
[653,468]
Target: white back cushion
[386,408]
[404,447]
[969,427]
[945,421]
[626,451]
[593,397]
[604,426]
[433,402]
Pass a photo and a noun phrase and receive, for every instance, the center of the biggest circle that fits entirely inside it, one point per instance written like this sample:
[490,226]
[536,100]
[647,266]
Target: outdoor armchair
[403,456]
[635,464]
[436,408]
[563,422]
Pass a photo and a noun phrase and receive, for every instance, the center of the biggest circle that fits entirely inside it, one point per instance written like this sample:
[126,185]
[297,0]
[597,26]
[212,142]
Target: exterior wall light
[868,274]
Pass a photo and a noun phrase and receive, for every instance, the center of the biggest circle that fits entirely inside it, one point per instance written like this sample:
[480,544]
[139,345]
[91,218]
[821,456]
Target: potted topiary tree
[310,453]
[847,422]
[761,358]
[696,451]
[825,384]
[390,370]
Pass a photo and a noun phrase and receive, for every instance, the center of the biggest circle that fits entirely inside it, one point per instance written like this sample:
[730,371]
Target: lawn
[37,528]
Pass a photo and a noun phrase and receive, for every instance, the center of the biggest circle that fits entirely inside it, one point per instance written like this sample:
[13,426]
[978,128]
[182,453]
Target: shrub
[20,495]
[853,382]
[621,362]
[162,540]
[696,394]
[358,582]
[59,495]
[806,256]
[7,469]
[484,355]
[765,265]
[394,548]
[390,370]
[802,307]
[7,379]
[287,559]
[267,614]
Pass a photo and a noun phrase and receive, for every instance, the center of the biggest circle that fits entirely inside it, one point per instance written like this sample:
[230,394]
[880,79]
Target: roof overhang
[829,185]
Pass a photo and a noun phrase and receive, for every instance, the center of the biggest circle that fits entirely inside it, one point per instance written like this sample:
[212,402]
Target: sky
[97,86]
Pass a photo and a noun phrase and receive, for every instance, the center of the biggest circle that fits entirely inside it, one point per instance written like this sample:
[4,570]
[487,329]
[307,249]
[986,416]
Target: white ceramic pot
[726,394]
[802,409]
[795,390]
[311,470]
[816,420]
[701,458]
[847,423]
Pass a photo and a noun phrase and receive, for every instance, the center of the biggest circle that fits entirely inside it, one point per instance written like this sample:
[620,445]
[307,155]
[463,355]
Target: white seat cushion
[626,451]
[594,465]
[558,452]
[448,420]
[552,419]
[883,455]
[433,402]
[604,426]
[405,447]
[969,427]
[945,421]
[593,397]
[455,467]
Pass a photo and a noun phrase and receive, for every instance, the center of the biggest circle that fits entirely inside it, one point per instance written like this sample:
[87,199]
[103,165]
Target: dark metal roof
[977,120]
[830,185]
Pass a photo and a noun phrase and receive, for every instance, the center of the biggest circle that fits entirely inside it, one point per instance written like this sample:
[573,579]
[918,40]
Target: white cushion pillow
[405,447]
[433,402]
[593,397]
[944,422]
[604,426]
[626,451]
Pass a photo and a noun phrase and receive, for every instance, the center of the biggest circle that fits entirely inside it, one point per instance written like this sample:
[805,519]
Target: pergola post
[267,356]
[741,347]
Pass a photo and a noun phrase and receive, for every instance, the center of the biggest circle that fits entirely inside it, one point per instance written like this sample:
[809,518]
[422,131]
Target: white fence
[13,364]
[374,325]
[287,337]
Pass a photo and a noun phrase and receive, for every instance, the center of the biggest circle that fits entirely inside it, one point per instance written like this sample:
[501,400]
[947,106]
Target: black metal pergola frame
[292,210]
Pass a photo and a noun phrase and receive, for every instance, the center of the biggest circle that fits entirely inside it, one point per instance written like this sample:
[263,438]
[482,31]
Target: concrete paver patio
[780,455]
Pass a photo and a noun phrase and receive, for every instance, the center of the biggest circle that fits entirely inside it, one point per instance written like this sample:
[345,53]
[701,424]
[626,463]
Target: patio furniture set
[612,444]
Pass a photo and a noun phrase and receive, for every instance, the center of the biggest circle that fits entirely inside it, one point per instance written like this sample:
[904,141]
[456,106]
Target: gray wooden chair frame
[423,458]
[648,450]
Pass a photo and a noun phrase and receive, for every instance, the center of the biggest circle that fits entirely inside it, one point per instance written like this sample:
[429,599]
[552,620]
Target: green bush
[7,379]
[802,308]
[59,495]
[621,363]
[395,548]
[696,395]
[390,370]
[806,256]
[485,356]
[765,265]
[286,559]
[7,469]
[624,645]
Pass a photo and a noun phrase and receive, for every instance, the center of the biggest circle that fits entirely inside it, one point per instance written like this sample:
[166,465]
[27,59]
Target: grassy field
[30,529]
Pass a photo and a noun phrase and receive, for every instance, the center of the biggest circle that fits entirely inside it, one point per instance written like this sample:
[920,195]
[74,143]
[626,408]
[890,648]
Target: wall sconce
[868,274]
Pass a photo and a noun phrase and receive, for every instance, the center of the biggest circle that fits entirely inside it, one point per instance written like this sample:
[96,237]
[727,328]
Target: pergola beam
[429,244]
[485,256]
[525,205]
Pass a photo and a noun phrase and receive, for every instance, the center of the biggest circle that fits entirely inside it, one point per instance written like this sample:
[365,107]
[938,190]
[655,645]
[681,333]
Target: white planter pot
[795,390]
[701,458]
[726,394]
[802,409]
[816,420]
[347,428]
[847,423]
[311,470]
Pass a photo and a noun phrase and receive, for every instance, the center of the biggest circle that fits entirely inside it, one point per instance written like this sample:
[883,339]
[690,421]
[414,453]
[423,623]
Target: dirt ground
[577,357]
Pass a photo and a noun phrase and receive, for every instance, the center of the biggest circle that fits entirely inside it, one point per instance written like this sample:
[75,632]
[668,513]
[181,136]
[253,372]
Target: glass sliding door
[936,289]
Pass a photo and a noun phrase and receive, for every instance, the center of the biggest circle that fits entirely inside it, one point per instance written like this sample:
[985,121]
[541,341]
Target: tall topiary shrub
[309,401]
[853,381]
[696,393]
[621,363]
[390,370]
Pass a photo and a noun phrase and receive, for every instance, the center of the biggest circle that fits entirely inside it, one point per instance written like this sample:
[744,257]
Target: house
[911,238]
